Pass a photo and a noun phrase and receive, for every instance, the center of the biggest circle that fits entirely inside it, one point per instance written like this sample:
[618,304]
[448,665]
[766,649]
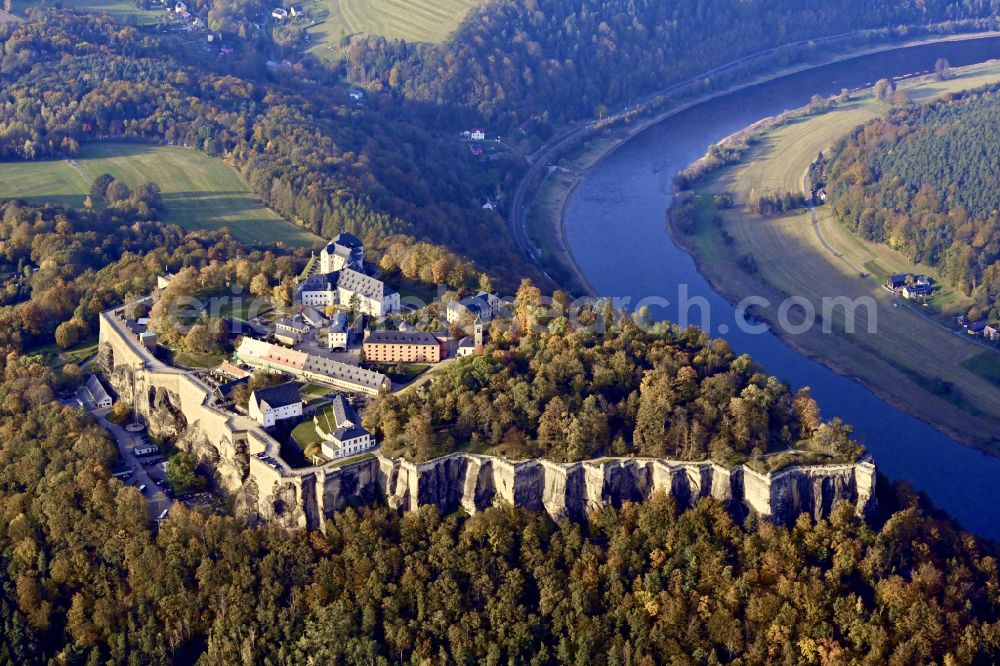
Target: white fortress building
[275,403]
[344,251]
[341,431]
[342,282]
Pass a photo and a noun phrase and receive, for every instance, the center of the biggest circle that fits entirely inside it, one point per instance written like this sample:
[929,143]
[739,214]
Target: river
[615,228]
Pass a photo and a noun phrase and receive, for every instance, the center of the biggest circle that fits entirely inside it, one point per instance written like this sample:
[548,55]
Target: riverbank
[910,360]
[592,151]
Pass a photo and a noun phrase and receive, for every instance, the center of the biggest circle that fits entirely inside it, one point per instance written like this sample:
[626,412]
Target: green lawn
[410,20]
[199,192]
[312,393]
[305,435]
[341,462]
[325,418]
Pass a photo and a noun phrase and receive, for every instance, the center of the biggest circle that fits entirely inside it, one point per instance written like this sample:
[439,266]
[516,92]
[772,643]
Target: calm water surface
[615,228]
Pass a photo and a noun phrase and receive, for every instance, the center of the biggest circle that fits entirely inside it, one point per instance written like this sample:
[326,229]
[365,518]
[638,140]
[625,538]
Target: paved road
[156,499]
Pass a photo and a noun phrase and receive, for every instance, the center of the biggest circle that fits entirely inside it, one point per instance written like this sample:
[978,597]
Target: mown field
[912,359]
[411,20]
[121,9]
[199,192]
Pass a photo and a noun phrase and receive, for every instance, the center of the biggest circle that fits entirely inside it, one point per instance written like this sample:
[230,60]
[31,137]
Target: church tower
[477,335]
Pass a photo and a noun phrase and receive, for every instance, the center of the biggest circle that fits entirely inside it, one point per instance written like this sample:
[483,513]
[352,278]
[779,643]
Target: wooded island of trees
[604,384]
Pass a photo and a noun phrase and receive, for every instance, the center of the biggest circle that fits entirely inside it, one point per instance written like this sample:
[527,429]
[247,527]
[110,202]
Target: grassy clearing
[189,359]
[56,358]
[199,192]
[402,374]
[411,20]
[908,357]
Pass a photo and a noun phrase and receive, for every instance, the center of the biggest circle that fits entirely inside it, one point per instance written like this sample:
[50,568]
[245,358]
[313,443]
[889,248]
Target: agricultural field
[914,360]
[410,20]
[123,10]
[199,192]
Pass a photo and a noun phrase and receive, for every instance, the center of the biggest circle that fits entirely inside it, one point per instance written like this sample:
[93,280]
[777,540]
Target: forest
[555,61]
[85,581]
[923,181]
[85,578]
[66,79]
[578,385]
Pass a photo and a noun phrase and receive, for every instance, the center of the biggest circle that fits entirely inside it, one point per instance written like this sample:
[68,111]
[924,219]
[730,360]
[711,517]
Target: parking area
[148,473]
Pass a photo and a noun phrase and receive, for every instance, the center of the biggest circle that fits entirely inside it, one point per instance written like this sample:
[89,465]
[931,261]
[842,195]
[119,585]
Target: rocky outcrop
[245,463]
[474,482]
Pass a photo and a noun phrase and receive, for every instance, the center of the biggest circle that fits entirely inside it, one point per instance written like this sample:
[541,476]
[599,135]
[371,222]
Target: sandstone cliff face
[475,482]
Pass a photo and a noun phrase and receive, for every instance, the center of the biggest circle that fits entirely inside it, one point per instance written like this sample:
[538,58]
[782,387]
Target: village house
[349,289]
[366,294]
[992,332]
[319,290]
[402,347]
[279,13]
[473,344]
[976,328]
[230,369]
[275,403]
[919,285]
[341,432]
[477,134]
[916,291]
[466,347]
